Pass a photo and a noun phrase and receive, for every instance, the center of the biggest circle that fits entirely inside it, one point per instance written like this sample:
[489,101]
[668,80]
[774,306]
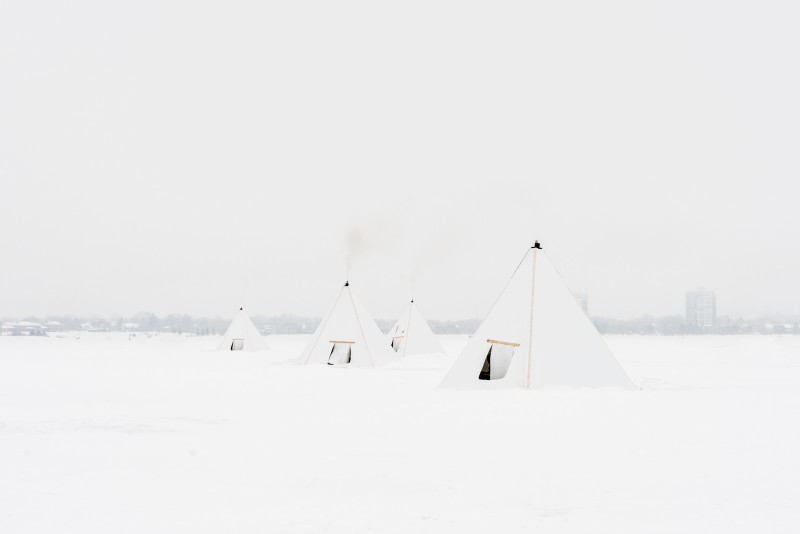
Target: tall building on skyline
[701,308]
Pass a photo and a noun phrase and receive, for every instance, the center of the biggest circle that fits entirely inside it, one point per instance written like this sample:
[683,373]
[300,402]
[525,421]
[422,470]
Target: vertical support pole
[408,327]
[360,327]
[530,324]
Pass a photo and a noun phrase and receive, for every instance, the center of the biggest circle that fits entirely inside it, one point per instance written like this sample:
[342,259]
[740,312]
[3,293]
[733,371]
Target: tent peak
[347,283]
[536,244]
[241,309]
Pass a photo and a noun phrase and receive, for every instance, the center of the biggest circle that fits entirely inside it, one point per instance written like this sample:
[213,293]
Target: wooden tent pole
[530,324]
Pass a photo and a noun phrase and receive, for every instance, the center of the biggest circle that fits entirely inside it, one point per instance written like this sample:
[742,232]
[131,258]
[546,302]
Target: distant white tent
[242,334]
[536,335]
[412,335]
[348,336]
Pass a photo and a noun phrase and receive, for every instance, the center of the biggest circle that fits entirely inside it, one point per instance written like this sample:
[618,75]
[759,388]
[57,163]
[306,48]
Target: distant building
[701,308]
[54,326]
[583,301]
[23,328]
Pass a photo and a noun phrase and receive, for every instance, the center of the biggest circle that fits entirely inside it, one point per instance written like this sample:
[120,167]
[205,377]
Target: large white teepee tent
[348,336]
[412,335]
[242,334]
[536,335]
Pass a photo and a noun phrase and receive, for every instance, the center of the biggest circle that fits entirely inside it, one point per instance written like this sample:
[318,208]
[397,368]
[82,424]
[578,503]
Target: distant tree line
[676,325]
[185,324]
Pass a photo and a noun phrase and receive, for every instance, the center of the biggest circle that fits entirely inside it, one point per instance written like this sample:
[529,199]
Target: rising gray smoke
[377,235]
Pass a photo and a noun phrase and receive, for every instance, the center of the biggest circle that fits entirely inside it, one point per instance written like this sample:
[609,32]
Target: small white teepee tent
[242,334]
[412,335]
[348,336]
[536,335]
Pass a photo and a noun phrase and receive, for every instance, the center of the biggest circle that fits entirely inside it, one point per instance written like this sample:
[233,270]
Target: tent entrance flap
[237,344]
[397,343]
[341,352]
[498,359]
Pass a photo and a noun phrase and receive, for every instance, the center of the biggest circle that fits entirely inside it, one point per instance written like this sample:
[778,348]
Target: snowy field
[103,434]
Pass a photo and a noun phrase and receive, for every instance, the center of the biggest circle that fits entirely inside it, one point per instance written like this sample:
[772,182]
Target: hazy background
[200,156]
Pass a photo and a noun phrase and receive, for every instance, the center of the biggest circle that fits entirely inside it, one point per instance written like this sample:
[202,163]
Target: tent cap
[537,245]
[412,301]
[240,309]
[347,283]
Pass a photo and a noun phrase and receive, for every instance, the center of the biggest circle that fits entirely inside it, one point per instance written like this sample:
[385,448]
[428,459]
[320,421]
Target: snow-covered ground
[103,434]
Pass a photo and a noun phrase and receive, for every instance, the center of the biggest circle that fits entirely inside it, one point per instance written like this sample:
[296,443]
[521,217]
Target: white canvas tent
[536,335]
[412,335]
[242,334]
[348,336]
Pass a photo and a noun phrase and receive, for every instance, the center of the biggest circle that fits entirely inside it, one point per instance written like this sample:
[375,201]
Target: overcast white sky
[198,156]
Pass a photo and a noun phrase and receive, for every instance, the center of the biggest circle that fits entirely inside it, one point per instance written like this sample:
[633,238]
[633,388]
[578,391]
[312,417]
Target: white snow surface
[109,434]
